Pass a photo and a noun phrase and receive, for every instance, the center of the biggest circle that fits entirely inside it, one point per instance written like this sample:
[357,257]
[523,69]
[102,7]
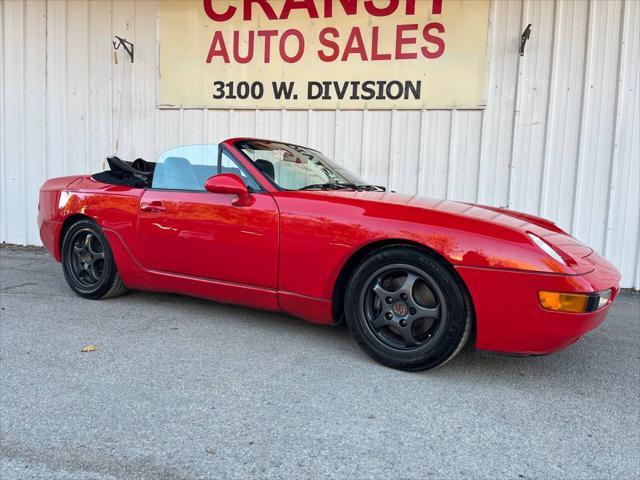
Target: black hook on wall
[122,42]
[523,39]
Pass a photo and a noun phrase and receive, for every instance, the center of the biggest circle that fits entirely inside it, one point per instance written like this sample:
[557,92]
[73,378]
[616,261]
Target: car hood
[503,224]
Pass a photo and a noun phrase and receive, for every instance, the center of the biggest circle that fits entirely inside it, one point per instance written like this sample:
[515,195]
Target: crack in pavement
[4,289]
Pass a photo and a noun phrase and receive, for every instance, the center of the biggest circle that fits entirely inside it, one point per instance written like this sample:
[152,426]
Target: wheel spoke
[87,242]
[381,291]
[97,256]
[380,321]
[426,312]
[407,286]
[90,249]
[76,257]
[93,272]
[83,275]
[407,336]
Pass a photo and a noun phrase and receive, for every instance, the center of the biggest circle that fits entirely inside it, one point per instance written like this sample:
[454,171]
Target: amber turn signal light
[573,302]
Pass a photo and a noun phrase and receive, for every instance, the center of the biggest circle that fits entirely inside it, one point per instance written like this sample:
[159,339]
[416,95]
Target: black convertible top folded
[125,173]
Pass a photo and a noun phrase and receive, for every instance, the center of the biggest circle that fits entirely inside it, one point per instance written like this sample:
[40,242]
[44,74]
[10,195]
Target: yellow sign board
[323,54]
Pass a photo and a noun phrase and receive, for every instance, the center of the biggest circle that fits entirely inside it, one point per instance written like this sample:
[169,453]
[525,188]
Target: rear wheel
[406,309]
[88,264]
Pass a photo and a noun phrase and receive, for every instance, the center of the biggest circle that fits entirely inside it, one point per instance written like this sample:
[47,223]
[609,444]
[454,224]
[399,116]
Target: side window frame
[222,150]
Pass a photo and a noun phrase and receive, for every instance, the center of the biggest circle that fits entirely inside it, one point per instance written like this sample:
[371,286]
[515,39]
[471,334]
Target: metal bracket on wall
[122,42]
[523,39]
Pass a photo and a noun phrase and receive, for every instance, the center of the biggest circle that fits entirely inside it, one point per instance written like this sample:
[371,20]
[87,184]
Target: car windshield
[293,167]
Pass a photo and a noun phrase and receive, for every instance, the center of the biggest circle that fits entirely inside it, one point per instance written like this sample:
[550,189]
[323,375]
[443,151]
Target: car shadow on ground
[597,356]
[589,356]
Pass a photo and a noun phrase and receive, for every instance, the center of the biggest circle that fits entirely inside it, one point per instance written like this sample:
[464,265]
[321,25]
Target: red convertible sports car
[280,227]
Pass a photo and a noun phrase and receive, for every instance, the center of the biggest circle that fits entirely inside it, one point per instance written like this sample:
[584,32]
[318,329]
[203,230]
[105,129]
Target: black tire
[88,264]
[406,309]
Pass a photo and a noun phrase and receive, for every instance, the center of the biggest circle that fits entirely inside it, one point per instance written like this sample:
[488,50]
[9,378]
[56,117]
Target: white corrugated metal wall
[560,136]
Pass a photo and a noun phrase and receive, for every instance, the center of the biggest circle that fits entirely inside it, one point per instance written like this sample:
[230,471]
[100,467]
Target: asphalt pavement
[185,388]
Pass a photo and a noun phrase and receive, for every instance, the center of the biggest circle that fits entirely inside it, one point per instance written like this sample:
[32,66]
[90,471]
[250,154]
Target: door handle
[153,207]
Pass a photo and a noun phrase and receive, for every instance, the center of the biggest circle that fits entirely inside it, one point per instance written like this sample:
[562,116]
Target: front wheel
[88,264]
[406,309]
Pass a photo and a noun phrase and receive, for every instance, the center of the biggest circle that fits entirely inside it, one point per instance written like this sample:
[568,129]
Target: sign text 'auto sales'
[323,54]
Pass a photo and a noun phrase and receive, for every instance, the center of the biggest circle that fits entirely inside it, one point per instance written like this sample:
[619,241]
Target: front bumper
[509,318]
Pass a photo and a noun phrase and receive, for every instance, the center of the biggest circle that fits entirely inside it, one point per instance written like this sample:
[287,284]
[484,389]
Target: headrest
[177,162]
[266,167]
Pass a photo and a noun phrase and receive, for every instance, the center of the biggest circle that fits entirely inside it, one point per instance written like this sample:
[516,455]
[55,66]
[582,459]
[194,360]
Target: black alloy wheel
[406,308]
[403,306]
[87,258]
[88,263]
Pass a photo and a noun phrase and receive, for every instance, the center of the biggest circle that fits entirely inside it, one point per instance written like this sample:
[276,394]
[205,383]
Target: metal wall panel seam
[157,111]
[55,106]
[636,282]
[13,121]
[3,113]
[613,158]
[111,81]
[450,150]
[66,78]
[87,149]
[478,176]
[32,134]
[361,162]
[490,33]
[534,93]
[549,113]
[46,89]
[133,85]
[205,126]
[4,217]
[335,134]
[420,164]
[585,74]
[255,125]
[389,151]
[487,59]
[516,111]
[280,127]
[23,119]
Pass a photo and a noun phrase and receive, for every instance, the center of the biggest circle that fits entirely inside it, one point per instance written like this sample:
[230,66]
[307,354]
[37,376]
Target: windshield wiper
[330,186]
[344,186]
[371,188]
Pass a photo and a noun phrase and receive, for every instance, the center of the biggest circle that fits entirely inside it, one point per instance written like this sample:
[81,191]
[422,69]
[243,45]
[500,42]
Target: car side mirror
[231,184]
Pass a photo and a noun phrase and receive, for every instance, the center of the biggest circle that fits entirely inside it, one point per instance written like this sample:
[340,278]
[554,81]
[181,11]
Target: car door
[187,230]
